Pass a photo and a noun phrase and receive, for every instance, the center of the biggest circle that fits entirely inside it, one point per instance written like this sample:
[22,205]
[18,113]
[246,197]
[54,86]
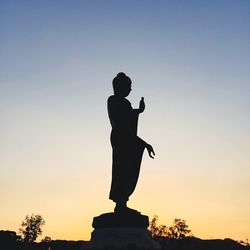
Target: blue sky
[189,59]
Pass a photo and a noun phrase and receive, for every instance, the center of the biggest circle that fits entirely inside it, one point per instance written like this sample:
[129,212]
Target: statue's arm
[141,106]
[149,148]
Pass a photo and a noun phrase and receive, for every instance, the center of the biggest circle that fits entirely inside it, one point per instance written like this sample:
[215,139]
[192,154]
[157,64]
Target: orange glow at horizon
[58,59]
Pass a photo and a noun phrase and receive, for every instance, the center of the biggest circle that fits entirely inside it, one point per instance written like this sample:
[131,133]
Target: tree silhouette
[161,230]
[178,230]
[31,227]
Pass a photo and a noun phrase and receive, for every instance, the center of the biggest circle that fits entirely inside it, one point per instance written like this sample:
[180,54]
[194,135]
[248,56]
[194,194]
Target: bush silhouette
[178,230]
[31,227]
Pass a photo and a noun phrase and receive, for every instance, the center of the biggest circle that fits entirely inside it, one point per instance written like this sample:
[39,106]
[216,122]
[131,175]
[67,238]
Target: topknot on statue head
[122,84]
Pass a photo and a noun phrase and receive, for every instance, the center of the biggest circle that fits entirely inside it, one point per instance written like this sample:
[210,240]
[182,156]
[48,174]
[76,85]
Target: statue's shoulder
[117,100]
[117,104]
[111,98]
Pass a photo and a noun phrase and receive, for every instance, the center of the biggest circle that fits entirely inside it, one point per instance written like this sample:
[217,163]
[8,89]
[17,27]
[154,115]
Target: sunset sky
[188,59]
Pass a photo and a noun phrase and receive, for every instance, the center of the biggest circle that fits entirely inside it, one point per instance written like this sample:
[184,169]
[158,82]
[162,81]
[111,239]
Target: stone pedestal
[122,231]
[123,238]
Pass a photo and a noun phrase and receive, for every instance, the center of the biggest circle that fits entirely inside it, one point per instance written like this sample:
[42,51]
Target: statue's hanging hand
[142,105]
[150,149]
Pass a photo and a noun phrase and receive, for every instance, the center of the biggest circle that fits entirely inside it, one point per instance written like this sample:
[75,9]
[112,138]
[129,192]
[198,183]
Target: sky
[188,59]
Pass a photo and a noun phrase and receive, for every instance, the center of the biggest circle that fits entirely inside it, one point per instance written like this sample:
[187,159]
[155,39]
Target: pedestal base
[121,220]
[122,239]
[115,231]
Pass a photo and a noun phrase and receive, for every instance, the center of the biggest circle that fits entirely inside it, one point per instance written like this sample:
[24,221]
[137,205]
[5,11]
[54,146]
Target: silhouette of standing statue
[127,146]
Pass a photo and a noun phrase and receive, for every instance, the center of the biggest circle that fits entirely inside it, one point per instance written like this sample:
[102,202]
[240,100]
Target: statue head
[122,85]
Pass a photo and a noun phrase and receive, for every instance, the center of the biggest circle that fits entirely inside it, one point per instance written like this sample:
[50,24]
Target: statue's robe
[127,148]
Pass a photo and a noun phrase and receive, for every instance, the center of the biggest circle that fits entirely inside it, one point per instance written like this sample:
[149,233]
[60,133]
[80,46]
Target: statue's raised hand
[142,105]
[150,149]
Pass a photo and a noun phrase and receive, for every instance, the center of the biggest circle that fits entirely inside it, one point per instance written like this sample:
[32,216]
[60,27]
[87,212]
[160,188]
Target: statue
[125,228]
[127,146]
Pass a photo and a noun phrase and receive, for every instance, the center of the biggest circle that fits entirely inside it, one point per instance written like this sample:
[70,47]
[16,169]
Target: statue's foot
[125,209]
[130,210]
[119,208]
